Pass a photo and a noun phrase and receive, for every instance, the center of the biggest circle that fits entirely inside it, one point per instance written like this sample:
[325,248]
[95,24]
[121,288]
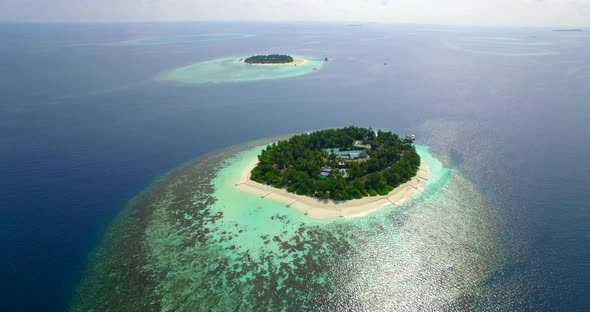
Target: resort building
[325,172]
[410,138]
[346,155]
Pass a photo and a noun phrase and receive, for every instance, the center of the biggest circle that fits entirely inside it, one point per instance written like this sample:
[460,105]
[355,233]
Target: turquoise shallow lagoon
[503,46]
[232,70]
[256,214]
[192,241]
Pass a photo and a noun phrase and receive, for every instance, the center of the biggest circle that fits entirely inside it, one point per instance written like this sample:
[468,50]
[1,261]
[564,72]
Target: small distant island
[269,59]
[568,29]
[338,164]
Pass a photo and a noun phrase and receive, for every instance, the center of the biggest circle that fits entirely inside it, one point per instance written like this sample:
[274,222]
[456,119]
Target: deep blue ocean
[84,126]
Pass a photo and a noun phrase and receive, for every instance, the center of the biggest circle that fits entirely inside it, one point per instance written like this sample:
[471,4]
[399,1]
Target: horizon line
[359,23]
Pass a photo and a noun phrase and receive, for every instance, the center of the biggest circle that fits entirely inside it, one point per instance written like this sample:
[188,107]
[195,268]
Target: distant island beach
[274,59]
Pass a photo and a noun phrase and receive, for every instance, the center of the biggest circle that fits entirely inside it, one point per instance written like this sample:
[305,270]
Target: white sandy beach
[296,61]
[321,209]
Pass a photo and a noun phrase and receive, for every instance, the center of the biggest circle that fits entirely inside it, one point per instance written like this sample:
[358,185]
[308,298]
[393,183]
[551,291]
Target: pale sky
[462,12]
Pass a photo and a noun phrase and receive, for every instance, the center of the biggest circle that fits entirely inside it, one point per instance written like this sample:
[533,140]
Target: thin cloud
[465,12]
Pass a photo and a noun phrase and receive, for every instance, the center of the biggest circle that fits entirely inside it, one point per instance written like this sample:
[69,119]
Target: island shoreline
[296,61]
[325,209]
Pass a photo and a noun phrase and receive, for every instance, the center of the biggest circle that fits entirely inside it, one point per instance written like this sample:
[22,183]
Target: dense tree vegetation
[269,59]
[296,164]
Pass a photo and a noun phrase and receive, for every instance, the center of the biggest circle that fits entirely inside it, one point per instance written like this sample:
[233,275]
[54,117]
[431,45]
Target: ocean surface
[86,125]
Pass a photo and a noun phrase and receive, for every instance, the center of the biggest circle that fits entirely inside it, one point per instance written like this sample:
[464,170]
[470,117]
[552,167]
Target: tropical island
[338,164]
[273,59]
[349,172]
[242,69]
[269,59]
